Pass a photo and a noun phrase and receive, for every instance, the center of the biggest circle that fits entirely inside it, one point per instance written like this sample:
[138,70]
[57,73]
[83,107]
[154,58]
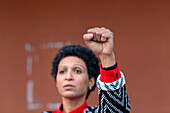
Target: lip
[68,86]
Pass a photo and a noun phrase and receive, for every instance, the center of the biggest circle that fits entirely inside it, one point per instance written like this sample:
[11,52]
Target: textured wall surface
[32,31]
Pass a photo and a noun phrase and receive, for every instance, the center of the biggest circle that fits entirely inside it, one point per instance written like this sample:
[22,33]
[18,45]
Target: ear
[91,82]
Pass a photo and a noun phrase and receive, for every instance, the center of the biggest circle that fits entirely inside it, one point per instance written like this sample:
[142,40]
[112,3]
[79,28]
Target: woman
[76,70]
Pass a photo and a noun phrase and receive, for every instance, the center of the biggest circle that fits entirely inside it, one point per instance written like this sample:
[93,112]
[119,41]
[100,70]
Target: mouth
[68,86]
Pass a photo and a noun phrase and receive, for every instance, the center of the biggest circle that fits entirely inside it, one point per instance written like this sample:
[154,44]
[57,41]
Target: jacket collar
[78,110]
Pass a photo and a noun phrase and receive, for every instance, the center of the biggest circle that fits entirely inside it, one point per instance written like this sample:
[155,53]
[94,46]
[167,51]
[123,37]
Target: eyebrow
[73,65]
[81,66]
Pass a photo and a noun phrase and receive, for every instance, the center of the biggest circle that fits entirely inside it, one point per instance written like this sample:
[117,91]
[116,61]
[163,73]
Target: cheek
[58,83]
[59,87]
[83,83]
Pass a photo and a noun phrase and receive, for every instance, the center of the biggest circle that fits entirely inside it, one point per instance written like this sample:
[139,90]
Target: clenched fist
[100,41]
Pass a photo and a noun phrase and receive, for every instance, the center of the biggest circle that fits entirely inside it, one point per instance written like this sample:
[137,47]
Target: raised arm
[112,93]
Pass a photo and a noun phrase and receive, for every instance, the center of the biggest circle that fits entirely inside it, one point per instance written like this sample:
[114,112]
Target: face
[72,78]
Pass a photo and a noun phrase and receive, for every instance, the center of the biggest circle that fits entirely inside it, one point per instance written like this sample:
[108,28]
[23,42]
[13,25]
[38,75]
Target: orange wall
[32,31]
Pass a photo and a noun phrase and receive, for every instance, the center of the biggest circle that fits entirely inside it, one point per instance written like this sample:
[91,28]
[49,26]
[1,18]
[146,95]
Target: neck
[72,104]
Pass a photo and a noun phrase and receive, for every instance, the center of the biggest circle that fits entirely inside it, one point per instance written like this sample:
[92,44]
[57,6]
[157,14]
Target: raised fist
[99,40]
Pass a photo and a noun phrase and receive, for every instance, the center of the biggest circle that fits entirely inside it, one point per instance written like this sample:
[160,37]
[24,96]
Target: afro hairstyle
[85,54]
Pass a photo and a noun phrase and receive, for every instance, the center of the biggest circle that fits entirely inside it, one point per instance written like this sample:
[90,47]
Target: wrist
[108,60]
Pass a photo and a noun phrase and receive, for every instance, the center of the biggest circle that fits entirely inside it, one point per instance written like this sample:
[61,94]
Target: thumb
[88,37]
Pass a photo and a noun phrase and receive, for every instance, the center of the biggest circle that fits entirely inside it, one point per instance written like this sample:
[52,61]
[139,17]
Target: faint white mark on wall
[54,45]
[30,59]
[53,105]
[34,106]
[28,47]
[31,105]
[29,65]
[30,87]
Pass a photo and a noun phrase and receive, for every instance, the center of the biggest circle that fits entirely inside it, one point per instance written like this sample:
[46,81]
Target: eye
[77,71]
[63,71]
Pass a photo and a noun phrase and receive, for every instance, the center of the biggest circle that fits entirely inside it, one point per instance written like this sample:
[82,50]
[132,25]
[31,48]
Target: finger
[93,30]
[103,28]
[88,36]
[103,38]
[97,29]
[98,32]
[94,37]
[108,35]
[98,36]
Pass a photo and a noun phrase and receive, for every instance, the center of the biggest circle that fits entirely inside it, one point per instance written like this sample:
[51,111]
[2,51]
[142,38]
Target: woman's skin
[72,78]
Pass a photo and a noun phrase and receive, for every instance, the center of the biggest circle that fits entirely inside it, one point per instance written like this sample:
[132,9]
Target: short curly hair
[85,54]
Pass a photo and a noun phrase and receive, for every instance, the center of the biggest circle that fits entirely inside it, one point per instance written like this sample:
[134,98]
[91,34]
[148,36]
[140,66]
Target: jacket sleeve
[113,97]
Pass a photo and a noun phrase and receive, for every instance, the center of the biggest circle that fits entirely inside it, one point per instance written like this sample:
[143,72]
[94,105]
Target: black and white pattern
[113,97]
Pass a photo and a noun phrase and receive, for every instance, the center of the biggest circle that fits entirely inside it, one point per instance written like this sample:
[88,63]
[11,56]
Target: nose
[69,75]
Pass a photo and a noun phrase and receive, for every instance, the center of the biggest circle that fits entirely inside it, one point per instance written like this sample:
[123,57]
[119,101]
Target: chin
[71,95]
